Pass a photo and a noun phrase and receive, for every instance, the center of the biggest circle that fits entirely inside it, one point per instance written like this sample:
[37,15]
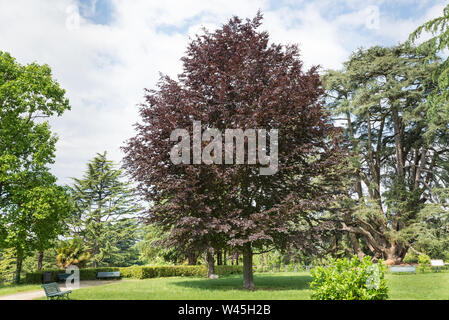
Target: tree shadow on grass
[262,282]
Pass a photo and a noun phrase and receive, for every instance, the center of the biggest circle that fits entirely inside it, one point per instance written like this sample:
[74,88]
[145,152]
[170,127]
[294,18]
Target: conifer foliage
[104,209]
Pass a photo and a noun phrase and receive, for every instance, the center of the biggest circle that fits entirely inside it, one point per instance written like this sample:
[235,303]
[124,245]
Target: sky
[105,52]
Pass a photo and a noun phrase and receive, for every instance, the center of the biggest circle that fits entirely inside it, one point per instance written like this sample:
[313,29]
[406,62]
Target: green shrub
[85,274]
[176,271]
[424,262]
[140,272]
[349,279]
[410,257]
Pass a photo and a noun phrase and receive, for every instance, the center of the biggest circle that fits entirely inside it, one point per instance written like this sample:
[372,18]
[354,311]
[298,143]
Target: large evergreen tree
[438,43]
[398,156]
[105,204]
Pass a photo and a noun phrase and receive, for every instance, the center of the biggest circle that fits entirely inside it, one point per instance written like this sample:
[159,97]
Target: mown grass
[12,289]
[420,286]
[282,286]
[269,286]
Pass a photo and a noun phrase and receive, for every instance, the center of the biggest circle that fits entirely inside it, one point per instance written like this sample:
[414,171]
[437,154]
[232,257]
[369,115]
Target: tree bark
[192,258]
[355,245]
[40,258]
[248,279]
[19,262]
[210,262]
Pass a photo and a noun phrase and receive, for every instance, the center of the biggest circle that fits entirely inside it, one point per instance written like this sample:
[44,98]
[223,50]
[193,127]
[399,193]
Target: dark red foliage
[233,78]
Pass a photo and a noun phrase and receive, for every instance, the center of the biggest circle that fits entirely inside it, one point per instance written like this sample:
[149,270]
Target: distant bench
[63,276]
[437,264]
[108,275]
[405,269]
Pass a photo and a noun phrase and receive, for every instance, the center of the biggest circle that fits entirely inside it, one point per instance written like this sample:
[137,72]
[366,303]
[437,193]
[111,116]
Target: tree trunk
[19,262]
[40,258]
[219,258]
[248,280]
[191,257]
[224,257]
[210,262]
[355,245]
[395,254]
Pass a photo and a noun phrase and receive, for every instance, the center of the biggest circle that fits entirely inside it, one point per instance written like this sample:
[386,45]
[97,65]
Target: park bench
[108,275]
[63,276]
[52,291]
[406,269]
[437,264]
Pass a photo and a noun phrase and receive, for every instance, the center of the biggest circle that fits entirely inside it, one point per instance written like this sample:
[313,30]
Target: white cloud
[104,68]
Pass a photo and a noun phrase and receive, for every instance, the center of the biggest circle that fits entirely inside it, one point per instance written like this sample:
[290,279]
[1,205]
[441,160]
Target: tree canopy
[398,156]
[233,79]
[32,206]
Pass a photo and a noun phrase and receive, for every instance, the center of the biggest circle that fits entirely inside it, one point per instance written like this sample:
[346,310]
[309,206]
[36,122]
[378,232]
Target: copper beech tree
[234,79]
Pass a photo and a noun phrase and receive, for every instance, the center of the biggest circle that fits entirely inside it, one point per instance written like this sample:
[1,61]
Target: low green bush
[349,279]
[411,257]
[176,271]
[424,262]
[139,272]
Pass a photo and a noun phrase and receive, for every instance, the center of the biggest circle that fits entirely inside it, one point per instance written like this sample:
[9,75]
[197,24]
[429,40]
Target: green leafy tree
[41,260]
[104,206]
[31,205]
[7,265]
[152,249]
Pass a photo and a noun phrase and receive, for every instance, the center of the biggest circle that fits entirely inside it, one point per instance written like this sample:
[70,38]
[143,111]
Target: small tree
[104,206]
[72,253]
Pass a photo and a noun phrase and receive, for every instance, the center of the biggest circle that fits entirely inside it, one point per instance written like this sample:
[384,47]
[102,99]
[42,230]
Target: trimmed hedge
[85,274]
[138,272]
[176,271]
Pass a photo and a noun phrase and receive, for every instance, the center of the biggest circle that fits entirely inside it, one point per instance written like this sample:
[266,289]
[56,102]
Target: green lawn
[427,286]
[269,286]
[10,289]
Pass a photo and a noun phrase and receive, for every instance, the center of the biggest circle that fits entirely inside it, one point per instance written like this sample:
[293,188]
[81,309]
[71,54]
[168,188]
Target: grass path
[9,289]
[30,292]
